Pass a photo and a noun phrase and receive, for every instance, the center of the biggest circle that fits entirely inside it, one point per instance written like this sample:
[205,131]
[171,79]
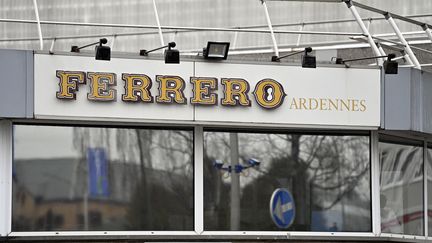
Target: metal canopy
[375,41]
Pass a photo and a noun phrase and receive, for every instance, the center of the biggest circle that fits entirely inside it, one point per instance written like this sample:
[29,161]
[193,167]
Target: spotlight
[308,61]
[171,55]
[102,52]
[216,50]
[390,66]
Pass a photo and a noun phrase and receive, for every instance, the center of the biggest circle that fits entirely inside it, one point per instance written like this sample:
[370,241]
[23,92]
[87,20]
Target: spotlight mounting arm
[390,66]
[145,52]
[100,42]
[277,59]
[341,61]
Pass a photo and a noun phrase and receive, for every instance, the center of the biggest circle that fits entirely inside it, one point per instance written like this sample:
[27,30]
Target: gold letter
[335,105]
[294,103]
[100,86]
[137,86]
[363,105]
[68,83]
[355,104]
[201,90]
[303,103]
[170,89]
[269,93]
[315,104]
[235,92]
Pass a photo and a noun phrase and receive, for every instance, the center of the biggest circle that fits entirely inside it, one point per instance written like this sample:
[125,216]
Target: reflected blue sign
[282,208]
[97,172]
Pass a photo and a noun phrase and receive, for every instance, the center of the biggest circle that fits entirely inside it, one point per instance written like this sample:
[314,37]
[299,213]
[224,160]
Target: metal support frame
[158,23]
[199,179]
[427,31]
[5,177]
[425,192]
[403,41]
[300,35]
[365,31]
[38,24]
[275,47]
[51,50]
[114,38]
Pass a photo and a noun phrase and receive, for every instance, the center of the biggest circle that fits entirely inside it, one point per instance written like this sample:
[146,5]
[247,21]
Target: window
[90,178]
[401,184]
[328,177]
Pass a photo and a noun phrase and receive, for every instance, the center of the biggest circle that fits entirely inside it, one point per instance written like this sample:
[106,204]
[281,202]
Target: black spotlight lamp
[390,66]
[216,50]
[102,52]
[308,61]
[171,55]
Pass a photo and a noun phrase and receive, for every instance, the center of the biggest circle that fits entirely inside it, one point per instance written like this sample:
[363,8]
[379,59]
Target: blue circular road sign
[282,208]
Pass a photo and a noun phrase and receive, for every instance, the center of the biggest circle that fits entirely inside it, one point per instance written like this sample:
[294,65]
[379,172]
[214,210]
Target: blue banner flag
[97,172]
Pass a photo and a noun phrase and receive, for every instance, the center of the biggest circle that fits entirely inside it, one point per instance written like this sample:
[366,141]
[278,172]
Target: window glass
[327,176]
[401,184]
[88,178]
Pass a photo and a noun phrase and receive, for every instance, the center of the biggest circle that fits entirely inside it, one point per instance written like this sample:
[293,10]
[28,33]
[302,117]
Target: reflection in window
[328,177]
[87,178]
[401,184]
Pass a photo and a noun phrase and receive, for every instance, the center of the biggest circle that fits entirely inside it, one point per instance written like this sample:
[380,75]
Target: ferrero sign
[74,87]
[267,93]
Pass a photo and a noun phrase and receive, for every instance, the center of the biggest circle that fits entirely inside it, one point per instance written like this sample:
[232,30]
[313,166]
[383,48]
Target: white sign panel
[321,96]
[76,87]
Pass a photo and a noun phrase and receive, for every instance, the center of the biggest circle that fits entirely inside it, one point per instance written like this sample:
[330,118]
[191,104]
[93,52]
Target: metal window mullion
[403,41]
[5,177]
[375,184]
[425,192]
[199,179]
[275,47]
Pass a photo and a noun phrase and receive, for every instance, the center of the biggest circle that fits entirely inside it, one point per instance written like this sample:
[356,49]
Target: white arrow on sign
[280,209]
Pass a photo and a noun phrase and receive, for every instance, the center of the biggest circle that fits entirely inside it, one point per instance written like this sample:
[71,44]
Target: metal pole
[158,23]
[234,44]
[38,24]
[300,35]
[275,47]
[428,31]
[51,50]
[235,183]
[365,31]
[403,41]
[113,41]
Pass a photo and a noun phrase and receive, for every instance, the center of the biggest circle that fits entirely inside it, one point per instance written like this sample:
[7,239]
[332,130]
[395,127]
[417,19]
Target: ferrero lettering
[202,91]
[100,86]
[235,92]
[170,89]
[268,93]
[137,88]
[68,83]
